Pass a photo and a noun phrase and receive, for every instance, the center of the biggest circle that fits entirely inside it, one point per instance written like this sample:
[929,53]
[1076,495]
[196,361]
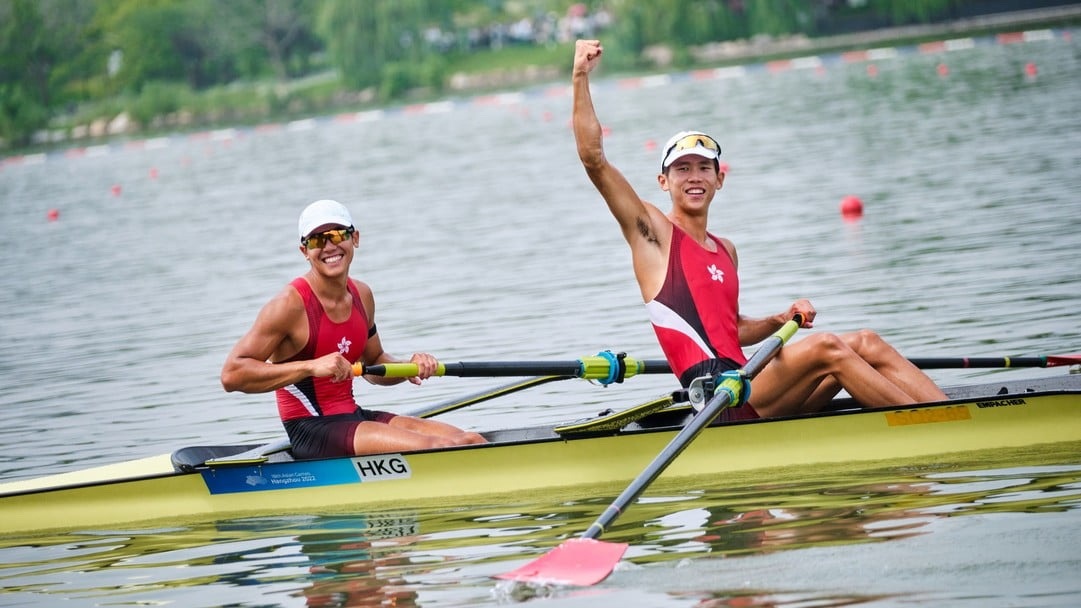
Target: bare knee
[830,347]
[434,442]
[862,338]
[471,438]
[449,441]
[828,353]
[869,346]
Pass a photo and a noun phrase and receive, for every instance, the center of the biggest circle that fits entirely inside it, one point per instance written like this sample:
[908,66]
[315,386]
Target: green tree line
[63,59]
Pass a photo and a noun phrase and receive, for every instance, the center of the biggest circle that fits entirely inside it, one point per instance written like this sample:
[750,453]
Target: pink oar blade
[578,561]
[1053,360]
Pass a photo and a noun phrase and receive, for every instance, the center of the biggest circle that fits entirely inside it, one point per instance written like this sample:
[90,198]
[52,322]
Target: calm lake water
[483,240]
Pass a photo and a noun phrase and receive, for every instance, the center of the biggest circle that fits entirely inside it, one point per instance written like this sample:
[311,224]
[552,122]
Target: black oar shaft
[598,368]
[610,368]
[684,438]
[977,362]
[517,368]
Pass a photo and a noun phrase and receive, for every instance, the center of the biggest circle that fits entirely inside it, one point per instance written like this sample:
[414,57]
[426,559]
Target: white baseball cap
[686,143]
[321,213]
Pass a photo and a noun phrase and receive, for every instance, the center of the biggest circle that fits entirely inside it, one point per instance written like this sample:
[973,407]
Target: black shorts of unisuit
[329,436]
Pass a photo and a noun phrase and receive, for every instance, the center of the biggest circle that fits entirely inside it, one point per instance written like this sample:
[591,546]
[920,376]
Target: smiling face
[327,256]
[692,181]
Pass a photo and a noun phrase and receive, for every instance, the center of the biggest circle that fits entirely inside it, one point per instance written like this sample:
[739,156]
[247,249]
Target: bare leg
[437,429]
[895,367]
[807,373]
[405,433]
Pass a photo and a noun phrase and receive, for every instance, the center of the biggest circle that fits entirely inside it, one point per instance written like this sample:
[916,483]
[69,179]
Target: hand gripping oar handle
[727,390]
[605,367]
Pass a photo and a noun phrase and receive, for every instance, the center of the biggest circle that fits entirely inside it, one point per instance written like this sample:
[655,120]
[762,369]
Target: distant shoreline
[717,55]
[737,52]
[744,51]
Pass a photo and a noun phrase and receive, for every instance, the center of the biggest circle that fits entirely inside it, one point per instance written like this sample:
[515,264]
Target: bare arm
[276,335]
[645,227]
[753,331]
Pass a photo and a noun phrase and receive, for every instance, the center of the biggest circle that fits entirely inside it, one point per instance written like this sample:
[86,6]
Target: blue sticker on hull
[260,478]
[305,474]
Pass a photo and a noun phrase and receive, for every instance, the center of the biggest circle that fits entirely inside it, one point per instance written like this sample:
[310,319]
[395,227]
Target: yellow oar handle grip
[788,330]
[393,370]
[608,368]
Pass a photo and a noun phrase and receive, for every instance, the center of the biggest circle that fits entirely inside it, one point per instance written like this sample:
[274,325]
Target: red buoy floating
[53,215]
[115,189]
[1030,70]
[851,208]
[722,167]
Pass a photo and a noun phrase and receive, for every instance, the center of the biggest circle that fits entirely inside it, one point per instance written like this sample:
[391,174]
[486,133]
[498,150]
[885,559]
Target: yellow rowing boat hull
[149,492]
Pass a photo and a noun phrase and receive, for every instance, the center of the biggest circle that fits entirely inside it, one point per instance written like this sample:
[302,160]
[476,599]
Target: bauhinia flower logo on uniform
[343,346]
[716,273]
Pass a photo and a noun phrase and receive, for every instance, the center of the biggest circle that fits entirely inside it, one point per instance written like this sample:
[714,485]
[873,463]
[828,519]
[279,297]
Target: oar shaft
[594,367]
[476,369]
[986,362]
[597,367]
[517,368]
[684,438]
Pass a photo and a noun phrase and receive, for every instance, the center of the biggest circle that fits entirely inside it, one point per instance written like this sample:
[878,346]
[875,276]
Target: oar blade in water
[578,561]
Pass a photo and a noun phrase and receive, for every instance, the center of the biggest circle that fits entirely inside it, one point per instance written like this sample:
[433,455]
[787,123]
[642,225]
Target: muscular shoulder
[367,299]
[280,329]
[284,308]
[730,248]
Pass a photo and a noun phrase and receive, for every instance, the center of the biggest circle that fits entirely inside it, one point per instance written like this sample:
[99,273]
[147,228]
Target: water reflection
[802,514]
[405,557]
[357,562]
[327,561]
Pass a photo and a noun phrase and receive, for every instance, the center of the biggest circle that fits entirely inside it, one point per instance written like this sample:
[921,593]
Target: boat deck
[671,417]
